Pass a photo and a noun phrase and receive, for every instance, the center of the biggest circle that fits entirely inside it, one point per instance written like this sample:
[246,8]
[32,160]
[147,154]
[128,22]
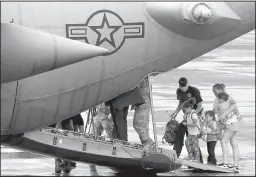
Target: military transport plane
[59,59]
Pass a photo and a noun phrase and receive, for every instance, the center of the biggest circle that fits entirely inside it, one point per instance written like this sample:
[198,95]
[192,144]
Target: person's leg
[125,114]
[212,145]
[195,148]
[81,129]
[234,145]
[108,126]
[80,123]
[141,124]
[98,129]
[120,125]
[209,154]
[224,144]
[114,133]
[76,128]
[188,143]
[67,126]
[179,142]
[200,155]
[212,150]
[93,168]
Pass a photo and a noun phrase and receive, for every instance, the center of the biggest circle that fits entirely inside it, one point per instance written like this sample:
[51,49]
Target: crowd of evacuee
[219,124]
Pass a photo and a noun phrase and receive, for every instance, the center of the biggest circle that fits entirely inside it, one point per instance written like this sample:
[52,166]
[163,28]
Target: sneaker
[209,163]
[93,168]
[73,164]
[198,161]
[223,165]
[236,169]
[230,165]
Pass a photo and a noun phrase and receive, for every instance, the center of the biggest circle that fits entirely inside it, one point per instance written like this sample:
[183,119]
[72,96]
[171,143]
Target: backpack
[171,131]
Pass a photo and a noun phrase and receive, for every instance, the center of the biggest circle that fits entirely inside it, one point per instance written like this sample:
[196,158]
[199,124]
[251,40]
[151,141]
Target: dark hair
[219,86]
[183,82]
[211,113]
[189,103]
[223,95]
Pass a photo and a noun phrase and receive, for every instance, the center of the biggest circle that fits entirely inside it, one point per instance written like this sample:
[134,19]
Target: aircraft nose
[26,52]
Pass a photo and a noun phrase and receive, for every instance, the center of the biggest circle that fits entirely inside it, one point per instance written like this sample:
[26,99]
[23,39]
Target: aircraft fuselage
[142,38]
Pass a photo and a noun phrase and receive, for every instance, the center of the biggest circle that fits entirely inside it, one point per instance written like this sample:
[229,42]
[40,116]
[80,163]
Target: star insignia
[105,32]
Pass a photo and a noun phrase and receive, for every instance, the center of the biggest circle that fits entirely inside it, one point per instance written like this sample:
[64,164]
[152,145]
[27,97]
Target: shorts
[77,120]
[232,127]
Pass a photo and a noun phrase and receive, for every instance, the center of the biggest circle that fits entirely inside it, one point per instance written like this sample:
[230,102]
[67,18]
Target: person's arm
[194,124]
[176,112]
[215,106]
[194,120]
[163,139]
[231,108]
[199,100]
[215,129]
[199,107]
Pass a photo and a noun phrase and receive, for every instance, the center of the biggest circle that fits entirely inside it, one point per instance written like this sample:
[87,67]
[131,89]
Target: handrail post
[153,115]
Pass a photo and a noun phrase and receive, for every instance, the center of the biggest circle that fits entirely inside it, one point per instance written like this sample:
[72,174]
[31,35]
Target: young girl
[193,130]
[225,109]
[212,131]
[220,88]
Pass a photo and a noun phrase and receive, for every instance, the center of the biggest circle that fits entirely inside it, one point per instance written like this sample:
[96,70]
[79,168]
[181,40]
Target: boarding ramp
[202,166]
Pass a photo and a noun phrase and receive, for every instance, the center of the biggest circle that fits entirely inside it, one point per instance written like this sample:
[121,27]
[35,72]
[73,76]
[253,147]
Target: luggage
[171,131]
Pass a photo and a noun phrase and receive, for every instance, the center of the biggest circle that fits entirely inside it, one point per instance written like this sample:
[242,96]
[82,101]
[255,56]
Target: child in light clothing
[193,130]
[220,88]
[212,131]
[227,117]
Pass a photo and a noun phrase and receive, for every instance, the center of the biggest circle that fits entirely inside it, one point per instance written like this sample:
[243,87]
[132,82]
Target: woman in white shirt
[225,108]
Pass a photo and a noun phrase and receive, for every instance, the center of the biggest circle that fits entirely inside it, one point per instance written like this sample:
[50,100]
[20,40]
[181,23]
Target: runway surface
[232,64]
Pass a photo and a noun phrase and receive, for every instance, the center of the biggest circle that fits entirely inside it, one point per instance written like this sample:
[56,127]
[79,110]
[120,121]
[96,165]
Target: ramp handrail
[90,136]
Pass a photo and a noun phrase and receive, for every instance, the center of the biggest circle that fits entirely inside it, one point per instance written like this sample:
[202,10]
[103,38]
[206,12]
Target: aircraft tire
[66,170]
[57,166]
[57,171]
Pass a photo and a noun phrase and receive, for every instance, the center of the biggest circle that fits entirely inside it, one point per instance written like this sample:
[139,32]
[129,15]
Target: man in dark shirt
[184,92]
